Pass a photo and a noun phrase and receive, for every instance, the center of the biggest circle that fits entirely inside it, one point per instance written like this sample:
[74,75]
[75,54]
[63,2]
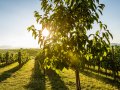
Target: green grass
[19,77]
[8,67]
[29,77]
[89,81]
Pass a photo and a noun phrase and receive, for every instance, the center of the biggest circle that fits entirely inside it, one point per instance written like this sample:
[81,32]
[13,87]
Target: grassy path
[19,77]
[29,77]
[3,69]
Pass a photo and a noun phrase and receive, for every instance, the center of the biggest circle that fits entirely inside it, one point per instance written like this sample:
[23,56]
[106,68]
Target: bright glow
[38,26]
[45,32]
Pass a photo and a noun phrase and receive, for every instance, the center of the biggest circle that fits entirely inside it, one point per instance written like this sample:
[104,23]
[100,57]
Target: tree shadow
[3,65]
[8,73]
[37,79]
[107,80]
[101,72]
[56,81]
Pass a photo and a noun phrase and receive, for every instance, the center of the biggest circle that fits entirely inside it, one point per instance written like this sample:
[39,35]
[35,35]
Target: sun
[45,32]
[38,26]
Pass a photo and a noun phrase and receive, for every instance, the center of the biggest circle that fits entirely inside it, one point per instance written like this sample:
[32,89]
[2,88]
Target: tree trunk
[78,86]
[106,71]
[99,67]
[113,65]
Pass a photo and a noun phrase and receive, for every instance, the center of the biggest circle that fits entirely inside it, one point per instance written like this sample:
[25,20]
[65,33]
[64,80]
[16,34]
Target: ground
[29,77]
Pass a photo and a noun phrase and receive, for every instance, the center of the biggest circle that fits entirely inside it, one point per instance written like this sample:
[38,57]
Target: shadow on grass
[3,65]
[56,81]
[102,72]
[37,79]
[8,73]
[102,78]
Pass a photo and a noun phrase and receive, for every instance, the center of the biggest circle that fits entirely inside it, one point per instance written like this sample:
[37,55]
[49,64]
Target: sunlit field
[29,77]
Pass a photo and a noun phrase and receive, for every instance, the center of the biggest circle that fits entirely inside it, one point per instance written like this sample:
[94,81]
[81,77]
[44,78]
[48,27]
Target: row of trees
[109,62]
[8,58]
[68,44]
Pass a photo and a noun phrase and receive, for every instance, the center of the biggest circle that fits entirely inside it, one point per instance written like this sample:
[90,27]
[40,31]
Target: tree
[19,58]
[1,57]
[7,57]
[11,57]
[68,22]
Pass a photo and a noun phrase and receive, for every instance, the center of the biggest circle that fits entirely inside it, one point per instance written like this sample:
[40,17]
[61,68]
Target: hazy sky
[17,15]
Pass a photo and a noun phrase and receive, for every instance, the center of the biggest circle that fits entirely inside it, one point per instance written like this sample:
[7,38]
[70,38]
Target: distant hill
[9,47]
[113,44]
[12,47]
[5,47]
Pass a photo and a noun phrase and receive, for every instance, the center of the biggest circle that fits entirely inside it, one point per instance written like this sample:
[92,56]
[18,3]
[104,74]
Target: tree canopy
[68,22]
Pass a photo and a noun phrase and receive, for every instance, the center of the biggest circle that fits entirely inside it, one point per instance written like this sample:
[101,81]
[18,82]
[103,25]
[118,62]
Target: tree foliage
[22,57]
[68,22]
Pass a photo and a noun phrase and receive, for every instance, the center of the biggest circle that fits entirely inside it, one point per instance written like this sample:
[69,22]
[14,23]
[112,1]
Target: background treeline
[8,56]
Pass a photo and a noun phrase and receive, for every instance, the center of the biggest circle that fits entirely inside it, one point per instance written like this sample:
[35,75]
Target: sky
[111,17]
[17,15]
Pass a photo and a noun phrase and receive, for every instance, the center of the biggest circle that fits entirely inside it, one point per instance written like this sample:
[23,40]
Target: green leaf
[100,11]
[87,57]
[101,6]
[110,34]
[101,26]
[104,54]
[97,15]
[97,33]
[101,58]
[97,1]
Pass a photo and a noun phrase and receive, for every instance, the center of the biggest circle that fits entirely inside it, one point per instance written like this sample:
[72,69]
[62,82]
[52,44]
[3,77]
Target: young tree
[1,58]
[11,57]
[68,22]
[7,57]
[19,58]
